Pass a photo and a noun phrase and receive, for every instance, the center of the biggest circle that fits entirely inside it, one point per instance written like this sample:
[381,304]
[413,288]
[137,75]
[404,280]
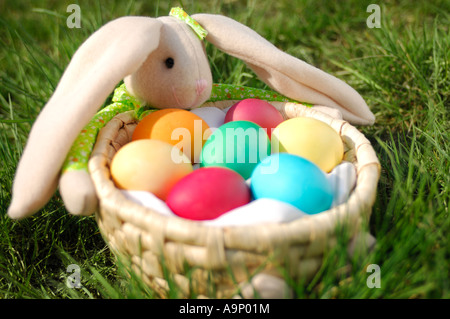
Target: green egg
[238,145]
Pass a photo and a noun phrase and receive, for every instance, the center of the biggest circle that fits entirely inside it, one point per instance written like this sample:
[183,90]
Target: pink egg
[257,111]
[207,193]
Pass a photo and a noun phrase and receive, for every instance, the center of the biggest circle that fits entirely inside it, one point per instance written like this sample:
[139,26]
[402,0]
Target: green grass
[401,69]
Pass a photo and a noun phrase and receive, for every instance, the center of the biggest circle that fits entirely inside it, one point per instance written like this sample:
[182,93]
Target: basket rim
[304,229]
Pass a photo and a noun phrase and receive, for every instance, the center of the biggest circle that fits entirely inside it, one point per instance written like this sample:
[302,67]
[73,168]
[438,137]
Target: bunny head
[177,73]
[163,63]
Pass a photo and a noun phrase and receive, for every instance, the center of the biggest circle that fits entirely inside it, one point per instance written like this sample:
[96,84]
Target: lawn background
[401,69]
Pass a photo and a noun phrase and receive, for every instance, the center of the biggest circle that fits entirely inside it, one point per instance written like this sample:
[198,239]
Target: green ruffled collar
[219,92]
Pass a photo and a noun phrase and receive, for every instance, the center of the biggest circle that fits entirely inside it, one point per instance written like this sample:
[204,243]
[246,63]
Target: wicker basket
[214,261]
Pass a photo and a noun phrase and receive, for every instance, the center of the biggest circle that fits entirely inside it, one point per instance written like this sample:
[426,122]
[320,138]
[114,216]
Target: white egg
[213,116]
[148,200]
[264,210]
[342,179]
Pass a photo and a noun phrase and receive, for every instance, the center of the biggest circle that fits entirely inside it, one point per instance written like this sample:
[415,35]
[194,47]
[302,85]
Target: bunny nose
[200,86]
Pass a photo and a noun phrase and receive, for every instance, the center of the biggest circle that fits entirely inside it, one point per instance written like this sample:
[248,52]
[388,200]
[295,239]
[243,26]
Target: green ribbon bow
[183,16]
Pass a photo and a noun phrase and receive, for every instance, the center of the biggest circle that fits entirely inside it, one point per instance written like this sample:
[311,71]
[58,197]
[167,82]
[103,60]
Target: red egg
[257,111]
[207,193]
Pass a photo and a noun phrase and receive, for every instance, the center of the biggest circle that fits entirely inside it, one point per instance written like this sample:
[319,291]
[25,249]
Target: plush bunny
[163,62]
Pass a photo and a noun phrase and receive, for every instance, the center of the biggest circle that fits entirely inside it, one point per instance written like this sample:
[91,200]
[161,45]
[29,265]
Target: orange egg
[178,127]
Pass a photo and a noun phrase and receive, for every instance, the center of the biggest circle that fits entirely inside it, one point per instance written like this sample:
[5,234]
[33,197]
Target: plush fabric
[179,86]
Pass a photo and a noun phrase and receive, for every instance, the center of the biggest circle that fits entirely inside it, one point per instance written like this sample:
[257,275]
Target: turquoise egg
[237,145]
[294,180]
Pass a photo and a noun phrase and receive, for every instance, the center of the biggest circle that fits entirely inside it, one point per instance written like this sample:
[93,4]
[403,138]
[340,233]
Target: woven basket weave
[213,261]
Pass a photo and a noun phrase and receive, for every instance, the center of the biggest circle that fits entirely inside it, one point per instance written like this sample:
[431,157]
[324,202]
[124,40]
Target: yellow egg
[309,138]
[149,165]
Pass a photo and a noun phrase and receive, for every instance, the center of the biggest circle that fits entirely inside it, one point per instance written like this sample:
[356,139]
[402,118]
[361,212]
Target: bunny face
[176,73]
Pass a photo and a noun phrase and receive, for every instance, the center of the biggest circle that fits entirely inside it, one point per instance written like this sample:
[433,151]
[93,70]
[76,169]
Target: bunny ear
[284,73]
[114,51]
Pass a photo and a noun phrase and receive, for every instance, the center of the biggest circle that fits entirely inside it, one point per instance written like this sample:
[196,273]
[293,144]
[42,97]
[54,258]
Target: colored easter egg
[178,127]
[309,138]
[238,145]
[294,180]
[208,193]
[149,165]
[213,116]
[255,110]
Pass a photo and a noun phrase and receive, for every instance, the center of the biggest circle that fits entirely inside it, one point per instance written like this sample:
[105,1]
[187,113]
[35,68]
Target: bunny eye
[169,63]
